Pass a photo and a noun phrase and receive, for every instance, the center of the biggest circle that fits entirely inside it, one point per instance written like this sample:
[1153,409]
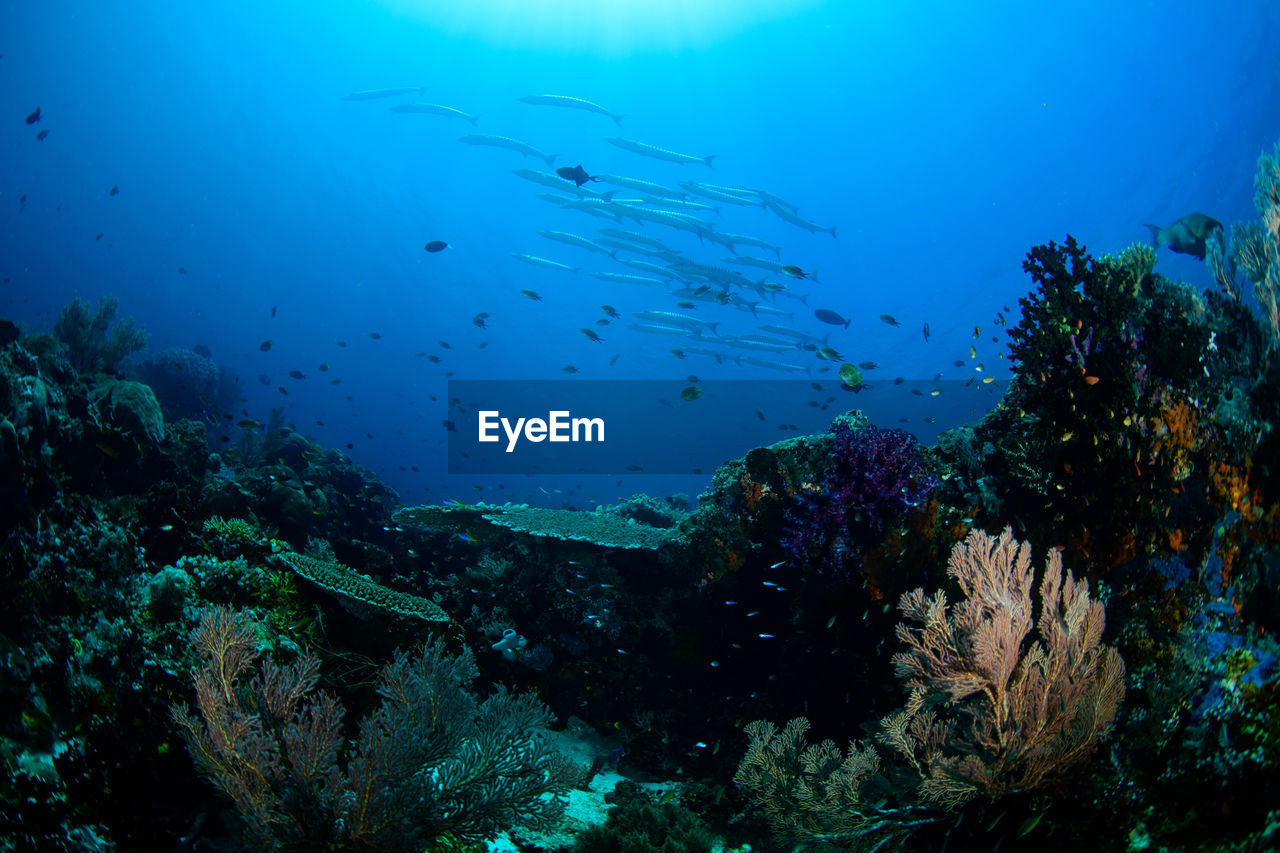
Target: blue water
[255,203]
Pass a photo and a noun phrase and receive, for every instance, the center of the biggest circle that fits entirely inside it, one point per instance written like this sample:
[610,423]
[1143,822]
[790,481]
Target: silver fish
[813,227]
[543,262]
[374,94]
[670,318]
[571,102]
[659,329]
[727,194]
[575,240]
[787,332]
[434,109]
[624,278]
[634,237]
[657,153]
[509,144]
[776,365]
[641,186]
[746,240]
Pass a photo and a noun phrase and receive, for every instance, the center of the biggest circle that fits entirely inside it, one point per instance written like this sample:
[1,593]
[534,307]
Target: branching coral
[433,765]
[990,712]
[93,344]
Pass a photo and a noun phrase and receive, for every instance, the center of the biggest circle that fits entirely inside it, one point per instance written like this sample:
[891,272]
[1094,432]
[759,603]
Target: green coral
[233,531]
[93,344]
[362,595]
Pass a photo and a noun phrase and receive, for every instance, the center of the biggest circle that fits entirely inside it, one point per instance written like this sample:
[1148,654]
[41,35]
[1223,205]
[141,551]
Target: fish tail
[608,196]
[576,270]
[832,229]
[713,326]
[473,119]
[804,300]
[753,310]
[617,119]
[1155,235]
[847,322]
[613,253]
[551,160]
[707,160]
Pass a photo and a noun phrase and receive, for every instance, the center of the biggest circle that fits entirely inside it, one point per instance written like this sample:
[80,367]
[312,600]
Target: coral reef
[988,712]
[432,765]
[364,596]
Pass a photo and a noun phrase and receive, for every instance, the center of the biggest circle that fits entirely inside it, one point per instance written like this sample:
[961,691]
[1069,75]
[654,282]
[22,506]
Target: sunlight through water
[614,28]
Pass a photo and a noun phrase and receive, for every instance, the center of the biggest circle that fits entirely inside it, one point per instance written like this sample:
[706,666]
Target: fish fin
[551,160]
[608,196]
[613,253]
[713,328]
[707,160]
[1155,234]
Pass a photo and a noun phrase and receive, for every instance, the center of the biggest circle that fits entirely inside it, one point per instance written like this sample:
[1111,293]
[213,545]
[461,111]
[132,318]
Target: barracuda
[646,150]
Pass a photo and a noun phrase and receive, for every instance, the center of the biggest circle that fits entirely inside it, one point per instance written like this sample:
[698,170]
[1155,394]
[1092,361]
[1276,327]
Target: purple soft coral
[874,476]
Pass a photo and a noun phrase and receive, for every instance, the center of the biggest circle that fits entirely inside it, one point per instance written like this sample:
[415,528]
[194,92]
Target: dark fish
[324,367]
[296,374]
[794,271]
[532,294]
[1187,235]
[614,360]
[434,359]
[760,415]
[342,343]
[182,270]
[436,246]
[273,312]
[828,316]
[678,353]
[264,379]
[690,394]
[42,135]
[115,190]
[34,117]
[577,174]
[610,311]
[958,363]
[264,346]
[569,368]
[925,332]
[889,318]
[898,380]
[592,336]
[479,319]
[282,390]
[375,336]
[868,365]
[445,345]
[99,237]
[450,426]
